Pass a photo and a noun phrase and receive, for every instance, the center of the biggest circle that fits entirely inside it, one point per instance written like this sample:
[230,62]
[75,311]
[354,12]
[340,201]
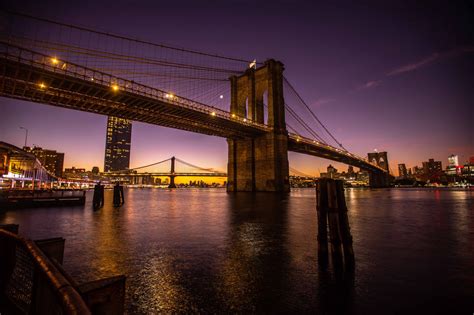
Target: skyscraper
[432,168]
[117,145]
[402,171]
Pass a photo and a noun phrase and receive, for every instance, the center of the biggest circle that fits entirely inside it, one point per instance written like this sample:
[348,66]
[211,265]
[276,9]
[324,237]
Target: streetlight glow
[115,87]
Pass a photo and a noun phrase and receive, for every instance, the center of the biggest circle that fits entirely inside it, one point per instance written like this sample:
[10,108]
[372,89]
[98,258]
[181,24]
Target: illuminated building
[453,161]
[402,171]
[52,160]
[74,170]
[117,146]
[453,167]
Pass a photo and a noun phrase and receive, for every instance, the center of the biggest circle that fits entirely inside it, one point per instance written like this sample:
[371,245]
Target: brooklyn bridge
[251,104]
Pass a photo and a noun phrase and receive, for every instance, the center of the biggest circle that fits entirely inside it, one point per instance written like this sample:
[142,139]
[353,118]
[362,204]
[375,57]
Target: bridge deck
[28,75]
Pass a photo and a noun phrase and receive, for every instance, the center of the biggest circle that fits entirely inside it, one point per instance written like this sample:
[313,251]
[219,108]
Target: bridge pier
[378,180]
[260,163]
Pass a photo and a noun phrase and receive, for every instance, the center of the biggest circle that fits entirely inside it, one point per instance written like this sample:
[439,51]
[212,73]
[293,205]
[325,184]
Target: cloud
[368,85]
[435,57]
[321,102]
[430,60]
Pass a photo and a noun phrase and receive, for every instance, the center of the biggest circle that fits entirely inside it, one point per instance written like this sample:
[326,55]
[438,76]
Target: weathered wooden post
[332,212]
[344,226]
[322,211]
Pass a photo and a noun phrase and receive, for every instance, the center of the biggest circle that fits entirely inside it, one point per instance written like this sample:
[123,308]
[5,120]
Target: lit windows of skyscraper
[117,145]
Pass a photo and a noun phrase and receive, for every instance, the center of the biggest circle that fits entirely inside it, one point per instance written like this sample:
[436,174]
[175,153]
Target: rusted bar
[51,290]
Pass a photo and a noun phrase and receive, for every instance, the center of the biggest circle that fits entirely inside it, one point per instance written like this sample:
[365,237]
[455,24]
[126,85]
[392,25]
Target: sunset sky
[392,77]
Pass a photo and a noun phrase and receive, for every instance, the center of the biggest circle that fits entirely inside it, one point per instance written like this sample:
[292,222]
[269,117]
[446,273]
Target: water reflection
[206,251]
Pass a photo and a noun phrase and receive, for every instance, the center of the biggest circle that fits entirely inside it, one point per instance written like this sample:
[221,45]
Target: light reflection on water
[208,251]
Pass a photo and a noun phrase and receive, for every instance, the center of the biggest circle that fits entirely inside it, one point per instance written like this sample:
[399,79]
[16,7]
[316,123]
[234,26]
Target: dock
[40,198]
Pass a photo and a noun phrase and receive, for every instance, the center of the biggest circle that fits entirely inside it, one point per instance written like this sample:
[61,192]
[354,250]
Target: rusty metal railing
[30,283]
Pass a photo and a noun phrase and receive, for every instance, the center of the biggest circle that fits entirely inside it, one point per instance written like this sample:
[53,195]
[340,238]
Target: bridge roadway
[123,174]
[32,76]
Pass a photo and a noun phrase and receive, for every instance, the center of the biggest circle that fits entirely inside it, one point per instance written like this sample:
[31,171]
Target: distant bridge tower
[172,172]
[260,163]
[379,179]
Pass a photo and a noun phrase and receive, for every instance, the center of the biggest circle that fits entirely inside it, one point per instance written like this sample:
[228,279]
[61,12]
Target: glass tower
[117,145]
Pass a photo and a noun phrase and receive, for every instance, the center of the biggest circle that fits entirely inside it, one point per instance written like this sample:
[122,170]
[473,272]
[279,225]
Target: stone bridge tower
[260,163]
[379,179]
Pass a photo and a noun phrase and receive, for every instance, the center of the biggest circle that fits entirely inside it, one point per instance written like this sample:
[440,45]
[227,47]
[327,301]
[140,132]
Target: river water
[206,251]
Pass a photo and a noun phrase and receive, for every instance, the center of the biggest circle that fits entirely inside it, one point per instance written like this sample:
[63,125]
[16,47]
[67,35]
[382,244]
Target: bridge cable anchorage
[313,114]
[197,167]
[127,38]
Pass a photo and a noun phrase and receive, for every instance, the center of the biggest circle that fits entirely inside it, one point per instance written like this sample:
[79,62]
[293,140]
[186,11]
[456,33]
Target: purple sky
[396,77]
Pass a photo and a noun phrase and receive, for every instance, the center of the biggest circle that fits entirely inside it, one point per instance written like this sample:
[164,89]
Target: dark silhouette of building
[432,168]
[95,170]
[117,146]
[52,160]
[350,171]
[402,171]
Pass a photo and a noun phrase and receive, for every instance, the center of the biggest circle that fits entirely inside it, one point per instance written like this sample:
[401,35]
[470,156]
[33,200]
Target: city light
[221,97]
[213,114]
[54,61]
[245,119]
[115,87]
[42,85]
[233,115]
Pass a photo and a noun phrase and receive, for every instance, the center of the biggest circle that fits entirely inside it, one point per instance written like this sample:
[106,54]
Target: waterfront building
[52,160]
[95,170]
[117,146]
[453,167]
[402,170]
[331,172]
[432,167]
[453,161]
[74,170]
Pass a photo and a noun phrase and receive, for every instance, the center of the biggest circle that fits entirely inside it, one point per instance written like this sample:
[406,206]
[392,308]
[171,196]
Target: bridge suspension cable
[140,167]
[191,74]
[81,28]
[298,173]
[312,113]
[197,167]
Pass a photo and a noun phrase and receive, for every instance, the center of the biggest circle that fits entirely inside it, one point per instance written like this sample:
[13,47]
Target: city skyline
[413,103]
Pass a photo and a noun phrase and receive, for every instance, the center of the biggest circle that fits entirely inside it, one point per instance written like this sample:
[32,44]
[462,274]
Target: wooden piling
[322,212]
[344,226]
[332,213]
